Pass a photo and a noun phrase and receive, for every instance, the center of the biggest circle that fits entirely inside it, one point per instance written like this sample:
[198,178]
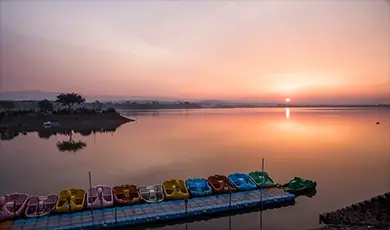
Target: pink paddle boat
[41,205]
[100,196]
[12,205]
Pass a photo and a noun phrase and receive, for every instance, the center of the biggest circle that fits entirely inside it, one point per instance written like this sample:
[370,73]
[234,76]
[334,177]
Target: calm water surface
[342,149]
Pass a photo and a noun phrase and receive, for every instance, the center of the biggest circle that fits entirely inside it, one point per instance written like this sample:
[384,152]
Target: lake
[342,149]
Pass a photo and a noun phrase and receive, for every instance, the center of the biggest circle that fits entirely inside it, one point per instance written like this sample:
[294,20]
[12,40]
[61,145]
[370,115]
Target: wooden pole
[90,190]
[14,209]
[261,188]
[186,204]
[261,197]
[115,215]
[38,207]
[230,197]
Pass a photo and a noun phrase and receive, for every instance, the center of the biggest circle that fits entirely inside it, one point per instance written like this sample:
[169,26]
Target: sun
[287,99]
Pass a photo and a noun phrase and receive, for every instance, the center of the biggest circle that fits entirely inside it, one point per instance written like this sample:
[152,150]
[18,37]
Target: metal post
[186,204]
[38,206]
[115,215]
[14,209]
[90,189]
[230,196]
[70,207]
[261,197]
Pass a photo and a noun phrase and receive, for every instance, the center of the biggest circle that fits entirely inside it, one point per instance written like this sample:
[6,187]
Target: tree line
[64,99]
[69,100]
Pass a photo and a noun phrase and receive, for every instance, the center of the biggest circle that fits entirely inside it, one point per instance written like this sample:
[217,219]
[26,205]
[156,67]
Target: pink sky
[198,49]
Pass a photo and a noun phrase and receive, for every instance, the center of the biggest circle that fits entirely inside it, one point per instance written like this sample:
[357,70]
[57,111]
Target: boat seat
[34,201]
[78,201]
[52,199]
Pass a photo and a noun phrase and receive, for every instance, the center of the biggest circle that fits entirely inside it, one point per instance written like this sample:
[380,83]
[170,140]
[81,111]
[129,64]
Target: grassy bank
[30,122]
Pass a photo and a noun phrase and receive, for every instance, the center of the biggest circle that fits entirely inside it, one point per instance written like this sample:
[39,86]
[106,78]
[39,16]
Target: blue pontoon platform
[156,212]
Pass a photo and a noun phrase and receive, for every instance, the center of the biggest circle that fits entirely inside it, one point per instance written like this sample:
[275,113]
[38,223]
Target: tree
[97,105]
[7,104]
[45,105]
[69,99]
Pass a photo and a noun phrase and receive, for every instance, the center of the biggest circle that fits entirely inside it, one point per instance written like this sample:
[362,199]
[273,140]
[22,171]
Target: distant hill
[28,95]
[36,95]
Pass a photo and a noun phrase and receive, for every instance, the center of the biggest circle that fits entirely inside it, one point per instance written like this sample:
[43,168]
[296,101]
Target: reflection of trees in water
[6,134]
[86,132]
[70,145]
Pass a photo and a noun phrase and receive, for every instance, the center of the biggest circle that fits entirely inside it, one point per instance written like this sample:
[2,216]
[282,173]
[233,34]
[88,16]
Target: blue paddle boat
[198,187]
[242,181]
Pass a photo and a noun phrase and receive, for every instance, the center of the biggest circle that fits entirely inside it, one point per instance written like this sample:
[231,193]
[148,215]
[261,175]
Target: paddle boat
[242,181]
[198,187]
[126,194]
[299,185]
[175,190]
[71,200]
[151,193]
[262,179]
[12,205]
[100,196]
[221,184]
[38,206]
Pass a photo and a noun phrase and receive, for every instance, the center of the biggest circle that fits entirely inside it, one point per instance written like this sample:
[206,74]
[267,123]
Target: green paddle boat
[298,184]
[262,179]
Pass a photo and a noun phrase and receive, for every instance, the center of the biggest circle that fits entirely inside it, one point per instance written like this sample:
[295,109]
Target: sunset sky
[262,50]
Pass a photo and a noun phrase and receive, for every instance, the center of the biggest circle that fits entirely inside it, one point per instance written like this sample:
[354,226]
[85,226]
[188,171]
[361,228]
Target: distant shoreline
[254,107]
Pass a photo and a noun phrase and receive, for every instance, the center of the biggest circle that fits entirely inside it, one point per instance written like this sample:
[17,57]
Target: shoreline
[82,123]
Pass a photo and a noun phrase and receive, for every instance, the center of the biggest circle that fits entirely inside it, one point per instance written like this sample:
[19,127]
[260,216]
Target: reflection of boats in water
[221,184]
[151,193]
[126,194]
[49,124]
[175,189]
[38,206]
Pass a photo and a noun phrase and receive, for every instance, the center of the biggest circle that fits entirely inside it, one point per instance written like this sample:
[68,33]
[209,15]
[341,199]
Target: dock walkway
[157,212]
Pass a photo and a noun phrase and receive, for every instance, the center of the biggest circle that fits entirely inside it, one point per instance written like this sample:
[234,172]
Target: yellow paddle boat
[175,190]
[71,200]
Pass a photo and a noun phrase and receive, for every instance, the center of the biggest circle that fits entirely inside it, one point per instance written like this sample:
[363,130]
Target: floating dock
[143,214]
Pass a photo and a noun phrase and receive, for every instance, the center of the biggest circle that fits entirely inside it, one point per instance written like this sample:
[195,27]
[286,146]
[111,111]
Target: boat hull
[175,190]
[221,184]
[262,179]
[71,200]
[38,206]
[242,181]
[151,193]
[100,196]
[198,187]
[12,205]
[299,185]
[126,194]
